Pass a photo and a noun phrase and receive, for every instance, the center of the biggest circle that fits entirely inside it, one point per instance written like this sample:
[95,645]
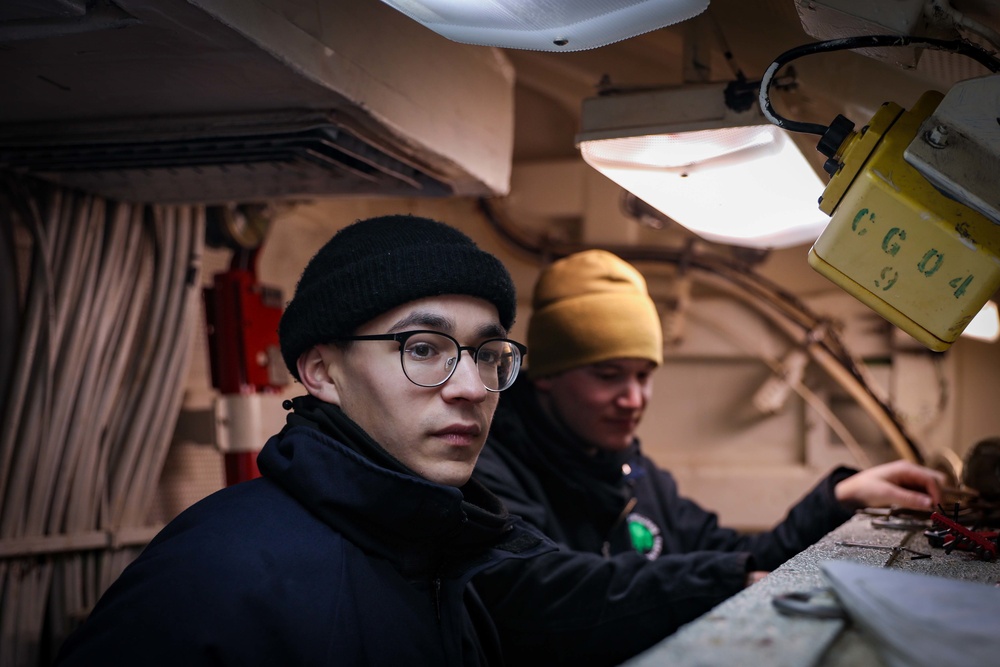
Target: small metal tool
[901,523]
[817,603]
[896,550]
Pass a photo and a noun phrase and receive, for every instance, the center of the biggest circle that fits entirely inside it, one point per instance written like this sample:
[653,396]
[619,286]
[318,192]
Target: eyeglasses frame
[404,336]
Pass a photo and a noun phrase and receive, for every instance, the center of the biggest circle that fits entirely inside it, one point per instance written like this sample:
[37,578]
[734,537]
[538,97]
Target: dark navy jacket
[636,560]
[328,559]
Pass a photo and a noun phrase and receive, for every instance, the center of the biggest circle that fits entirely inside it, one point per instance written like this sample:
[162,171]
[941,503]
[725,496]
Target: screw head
[937,137]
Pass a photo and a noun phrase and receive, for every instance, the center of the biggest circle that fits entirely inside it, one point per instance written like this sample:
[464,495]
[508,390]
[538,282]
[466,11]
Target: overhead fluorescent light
[546,25]
[985,326]
[730,176]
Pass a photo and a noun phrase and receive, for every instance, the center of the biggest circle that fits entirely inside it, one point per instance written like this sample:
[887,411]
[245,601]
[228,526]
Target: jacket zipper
[436,587]
[606,547]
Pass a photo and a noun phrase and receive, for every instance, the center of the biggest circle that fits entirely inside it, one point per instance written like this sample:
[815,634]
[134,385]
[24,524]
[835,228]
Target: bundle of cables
[99,310]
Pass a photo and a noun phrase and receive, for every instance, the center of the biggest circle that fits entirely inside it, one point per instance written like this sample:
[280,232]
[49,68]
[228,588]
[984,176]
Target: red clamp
[951,535]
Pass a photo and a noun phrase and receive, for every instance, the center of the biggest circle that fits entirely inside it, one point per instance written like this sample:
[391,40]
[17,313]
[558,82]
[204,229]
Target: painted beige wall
[747,466]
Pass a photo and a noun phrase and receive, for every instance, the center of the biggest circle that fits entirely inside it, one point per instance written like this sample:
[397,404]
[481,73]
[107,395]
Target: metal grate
[214,161]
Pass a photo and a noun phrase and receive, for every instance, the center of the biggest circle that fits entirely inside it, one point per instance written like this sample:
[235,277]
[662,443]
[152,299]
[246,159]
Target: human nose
[465,381]
[632,394]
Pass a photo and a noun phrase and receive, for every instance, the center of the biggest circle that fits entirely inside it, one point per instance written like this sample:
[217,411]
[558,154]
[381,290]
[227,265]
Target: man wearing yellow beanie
[636,560]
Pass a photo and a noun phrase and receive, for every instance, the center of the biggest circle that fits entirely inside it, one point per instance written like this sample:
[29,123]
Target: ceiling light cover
[730,177]
[681,150]
[985,326]
[546,25]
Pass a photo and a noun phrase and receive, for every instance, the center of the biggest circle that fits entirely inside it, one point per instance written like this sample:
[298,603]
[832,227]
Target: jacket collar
[587,484]
[383,508]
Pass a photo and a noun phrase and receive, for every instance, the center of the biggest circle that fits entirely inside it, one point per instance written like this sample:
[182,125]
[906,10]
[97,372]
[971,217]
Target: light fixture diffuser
[985,326]
[546,25]
[729,176]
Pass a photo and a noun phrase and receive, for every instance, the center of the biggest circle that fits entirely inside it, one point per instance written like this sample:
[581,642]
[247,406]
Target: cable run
[977,53]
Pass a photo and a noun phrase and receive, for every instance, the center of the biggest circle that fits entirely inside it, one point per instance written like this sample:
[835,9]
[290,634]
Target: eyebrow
[491,330]
[446,324]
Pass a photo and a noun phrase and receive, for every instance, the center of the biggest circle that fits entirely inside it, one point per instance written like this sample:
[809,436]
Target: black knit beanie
[374,265]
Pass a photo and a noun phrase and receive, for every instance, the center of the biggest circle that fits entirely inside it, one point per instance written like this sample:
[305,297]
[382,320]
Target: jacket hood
[415,523]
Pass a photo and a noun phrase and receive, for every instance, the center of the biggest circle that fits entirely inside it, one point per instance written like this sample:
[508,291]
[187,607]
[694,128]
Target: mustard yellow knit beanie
[590,307]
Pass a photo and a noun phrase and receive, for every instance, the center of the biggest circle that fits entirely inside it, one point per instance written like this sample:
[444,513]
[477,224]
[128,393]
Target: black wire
[977,53]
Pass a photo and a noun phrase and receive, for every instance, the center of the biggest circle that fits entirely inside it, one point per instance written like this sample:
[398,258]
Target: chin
[451,475]
[616,445]
[611,445]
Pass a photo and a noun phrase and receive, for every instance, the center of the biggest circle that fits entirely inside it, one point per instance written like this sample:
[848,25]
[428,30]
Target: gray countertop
[747,630]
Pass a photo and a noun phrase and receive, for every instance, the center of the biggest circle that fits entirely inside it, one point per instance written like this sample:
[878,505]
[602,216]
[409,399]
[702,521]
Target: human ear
[315,373]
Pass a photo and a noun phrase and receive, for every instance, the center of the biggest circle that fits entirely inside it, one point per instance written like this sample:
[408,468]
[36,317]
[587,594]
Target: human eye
[606,373]
[646,374]
[423,347]
[489,356]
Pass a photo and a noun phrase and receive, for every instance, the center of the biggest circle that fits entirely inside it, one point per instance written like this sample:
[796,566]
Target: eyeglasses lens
[498,363]
[429,359]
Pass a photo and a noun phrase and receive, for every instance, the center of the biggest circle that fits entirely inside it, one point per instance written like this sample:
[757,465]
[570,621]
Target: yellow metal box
[923,261]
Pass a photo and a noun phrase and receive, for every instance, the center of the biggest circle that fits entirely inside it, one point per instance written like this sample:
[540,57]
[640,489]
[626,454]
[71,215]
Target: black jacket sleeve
[580,607]
[571,607]
[688,527]
[815,515]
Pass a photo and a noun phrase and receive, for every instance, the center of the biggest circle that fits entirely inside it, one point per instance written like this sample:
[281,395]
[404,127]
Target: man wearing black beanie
[357,544]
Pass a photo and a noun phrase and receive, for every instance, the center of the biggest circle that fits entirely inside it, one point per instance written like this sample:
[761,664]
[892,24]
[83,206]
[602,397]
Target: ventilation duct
[221,160]
[222,100]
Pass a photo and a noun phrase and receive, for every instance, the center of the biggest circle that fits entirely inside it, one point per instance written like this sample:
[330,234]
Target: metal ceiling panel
[171,100]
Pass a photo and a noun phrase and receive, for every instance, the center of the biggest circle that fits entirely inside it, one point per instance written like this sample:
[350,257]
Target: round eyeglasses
[429,358]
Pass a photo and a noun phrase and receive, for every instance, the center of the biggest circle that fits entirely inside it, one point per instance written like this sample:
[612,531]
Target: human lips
[623,423]
[460,434]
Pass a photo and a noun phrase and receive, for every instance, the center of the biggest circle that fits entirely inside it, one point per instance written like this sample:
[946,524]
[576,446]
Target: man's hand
[898,483]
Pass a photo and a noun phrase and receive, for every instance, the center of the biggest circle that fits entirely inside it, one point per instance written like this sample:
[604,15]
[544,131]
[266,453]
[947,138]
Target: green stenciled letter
[857,220]
[928,256]
[893,248]
[885,276]
[960,285]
